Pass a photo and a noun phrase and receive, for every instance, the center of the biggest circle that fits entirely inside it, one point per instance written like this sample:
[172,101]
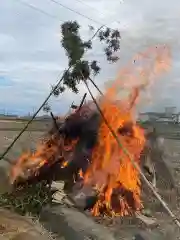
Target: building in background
[169,111]
[170,115]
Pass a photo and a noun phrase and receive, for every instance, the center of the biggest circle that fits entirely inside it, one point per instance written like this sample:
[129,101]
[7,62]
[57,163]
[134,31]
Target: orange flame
[111,169]
[111,172]
[56,147]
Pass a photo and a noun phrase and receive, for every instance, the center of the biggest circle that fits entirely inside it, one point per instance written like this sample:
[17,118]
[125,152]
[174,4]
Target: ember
[87,149]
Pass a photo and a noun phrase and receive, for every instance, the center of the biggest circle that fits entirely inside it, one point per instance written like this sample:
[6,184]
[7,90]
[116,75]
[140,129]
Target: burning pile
[111,170]
[87,151]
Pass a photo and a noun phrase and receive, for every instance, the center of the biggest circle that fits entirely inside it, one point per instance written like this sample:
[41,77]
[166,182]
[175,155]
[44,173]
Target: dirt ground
[165,227]
[15,227]
[10,129]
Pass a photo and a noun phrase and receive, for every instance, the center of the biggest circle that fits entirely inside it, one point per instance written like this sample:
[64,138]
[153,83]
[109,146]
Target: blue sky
[31,57]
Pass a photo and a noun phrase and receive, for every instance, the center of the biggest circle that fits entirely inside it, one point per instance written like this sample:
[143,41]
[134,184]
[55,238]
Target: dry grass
[15,227]
[15,125]
[30,199]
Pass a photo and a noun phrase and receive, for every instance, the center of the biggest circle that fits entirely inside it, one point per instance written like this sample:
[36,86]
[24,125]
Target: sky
[32,59]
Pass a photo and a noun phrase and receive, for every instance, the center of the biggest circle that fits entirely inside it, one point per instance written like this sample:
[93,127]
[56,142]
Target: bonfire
[86,151]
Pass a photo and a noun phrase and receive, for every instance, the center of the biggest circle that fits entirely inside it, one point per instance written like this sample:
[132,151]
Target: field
[9,129]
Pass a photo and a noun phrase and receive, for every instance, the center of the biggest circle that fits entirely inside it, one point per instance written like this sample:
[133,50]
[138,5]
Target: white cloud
[32,57]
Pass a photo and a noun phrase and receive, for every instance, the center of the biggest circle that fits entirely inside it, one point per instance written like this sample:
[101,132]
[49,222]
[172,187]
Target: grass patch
[28,199]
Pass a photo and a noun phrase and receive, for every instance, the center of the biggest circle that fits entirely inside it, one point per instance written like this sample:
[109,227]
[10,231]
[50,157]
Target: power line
[93,8]
[74,11]
[39,10]
[81,14]
[66,7]
[85,4]
[55,17]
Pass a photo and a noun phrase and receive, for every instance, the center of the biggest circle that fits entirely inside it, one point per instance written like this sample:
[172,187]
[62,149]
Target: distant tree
[75,49]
